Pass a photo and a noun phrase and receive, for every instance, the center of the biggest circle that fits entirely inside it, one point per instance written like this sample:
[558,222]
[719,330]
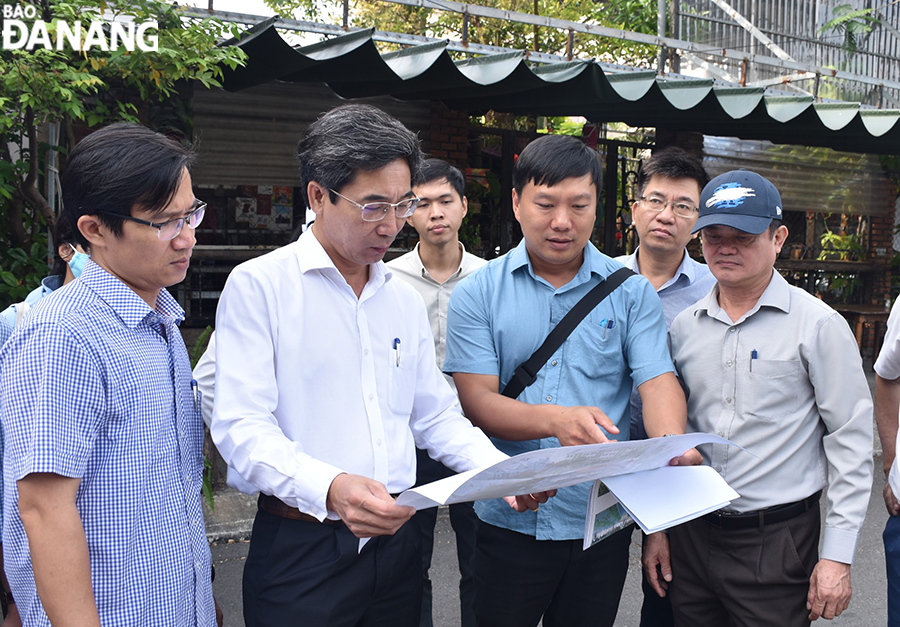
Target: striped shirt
[95,385]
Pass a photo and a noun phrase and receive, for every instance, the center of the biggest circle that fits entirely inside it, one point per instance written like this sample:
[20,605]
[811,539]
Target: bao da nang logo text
[21,30]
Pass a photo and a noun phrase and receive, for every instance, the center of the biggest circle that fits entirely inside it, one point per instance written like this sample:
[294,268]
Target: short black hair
[436,170]
[674,163]
[553,158]
[351,138]
[120,167]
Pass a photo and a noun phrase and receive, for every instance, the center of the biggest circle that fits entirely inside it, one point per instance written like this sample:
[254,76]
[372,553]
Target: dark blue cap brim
[747,224]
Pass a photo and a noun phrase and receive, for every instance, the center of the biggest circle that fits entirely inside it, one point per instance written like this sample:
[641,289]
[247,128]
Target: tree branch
[29,190]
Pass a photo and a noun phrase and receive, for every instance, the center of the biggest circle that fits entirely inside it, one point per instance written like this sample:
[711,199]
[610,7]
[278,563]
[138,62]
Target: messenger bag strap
[526,373]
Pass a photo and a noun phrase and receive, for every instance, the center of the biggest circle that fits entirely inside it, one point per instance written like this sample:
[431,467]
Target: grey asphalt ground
[228,526]
[867,609]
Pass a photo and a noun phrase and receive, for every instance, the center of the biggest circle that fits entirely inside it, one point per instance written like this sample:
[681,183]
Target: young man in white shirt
[325,384]
[434,267]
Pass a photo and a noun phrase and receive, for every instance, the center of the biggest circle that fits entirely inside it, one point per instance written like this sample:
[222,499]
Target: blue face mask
[77,261]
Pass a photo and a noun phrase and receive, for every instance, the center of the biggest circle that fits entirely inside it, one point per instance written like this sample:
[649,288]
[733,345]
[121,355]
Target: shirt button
[553,363]
[366,351]
[443,341]
[718,469]
[443,315]
[378,442]
[371,396]
[731,330]
[549,398]
[721,434]
[729,363]
[728,400]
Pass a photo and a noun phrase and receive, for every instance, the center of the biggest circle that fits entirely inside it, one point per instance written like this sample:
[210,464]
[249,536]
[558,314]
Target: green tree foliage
[94,86]
[633,15]
[851,24]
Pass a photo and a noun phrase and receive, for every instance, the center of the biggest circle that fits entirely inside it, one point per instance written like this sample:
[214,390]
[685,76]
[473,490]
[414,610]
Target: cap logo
[730,195]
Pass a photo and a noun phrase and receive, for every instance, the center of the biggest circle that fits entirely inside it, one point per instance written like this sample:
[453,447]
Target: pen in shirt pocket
[397,350]
[194,394]
[607,325]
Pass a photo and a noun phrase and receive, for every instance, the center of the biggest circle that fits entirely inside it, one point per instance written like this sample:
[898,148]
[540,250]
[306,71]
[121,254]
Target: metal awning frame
[517,81]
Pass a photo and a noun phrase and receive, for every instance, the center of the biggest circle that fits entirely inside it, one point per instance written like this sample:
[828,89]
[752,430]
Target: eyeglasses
[683,209]
[375,211]
[170,229]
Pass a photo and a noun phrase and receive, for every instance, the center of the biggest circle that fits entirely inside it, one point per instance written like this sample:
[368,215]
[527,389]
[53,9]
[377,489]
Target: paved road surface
[867,609]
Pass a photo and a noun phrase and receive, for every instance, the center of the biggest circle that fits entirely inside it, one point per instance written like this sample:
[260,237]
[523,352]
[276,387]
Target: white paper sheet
[549,469]
[670,495]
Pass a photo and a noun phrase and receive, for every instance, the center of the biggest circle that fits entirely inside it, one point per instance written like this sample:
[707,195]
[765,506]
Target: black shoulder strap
[526,373]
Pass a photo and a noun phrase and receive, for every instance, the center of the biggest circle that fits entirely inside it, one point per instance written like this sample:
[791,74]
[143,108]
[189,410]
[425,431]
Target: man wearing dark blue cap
[777,371]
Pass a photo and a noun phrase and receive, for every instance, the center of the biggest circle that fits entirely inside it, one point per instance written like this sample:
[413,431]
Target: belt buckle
[719,517]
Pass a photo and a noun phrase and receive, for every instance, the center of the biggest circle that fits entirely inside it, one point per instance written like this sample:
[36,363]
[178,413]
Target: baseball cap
[741,199]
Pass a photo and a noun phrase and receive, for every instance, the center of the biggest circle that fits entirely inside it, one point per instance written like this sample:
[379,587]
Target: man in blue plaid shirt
[103,461]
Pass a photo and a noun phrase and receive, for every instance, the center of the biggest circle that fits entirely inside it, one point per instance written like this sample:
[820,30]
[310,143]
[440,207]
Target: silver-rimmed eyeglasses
[656,203]
[170,229]
[375,211]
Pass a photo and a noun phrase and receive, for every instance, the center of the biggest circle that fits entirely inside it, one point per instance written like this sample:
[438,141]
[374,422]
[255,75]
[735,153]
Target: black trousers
[891,538]
[311,574]
[464,522]
[743,578]
[520,580]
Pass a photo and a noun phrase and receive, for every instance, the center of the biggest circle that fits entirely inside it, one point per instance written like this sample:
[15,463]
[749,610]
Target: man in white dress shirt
[437,265]
[325,384]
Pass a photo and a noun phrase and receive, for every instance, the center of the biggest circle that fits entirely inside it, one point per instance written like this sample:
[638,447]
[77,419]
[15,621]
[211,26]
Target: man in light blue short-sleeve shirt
[496,320]
[502,314]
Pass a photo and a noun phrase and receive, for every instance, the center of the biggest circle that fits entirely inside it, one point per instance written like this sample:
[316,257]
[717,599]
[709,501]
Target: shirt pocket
[402,384]
[594,349]
[772,389]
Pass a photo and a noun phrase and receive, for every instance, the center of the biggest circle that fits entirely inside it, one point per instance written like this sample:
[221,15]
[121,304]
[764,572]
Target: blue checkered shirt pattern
[96,385]
[5,331]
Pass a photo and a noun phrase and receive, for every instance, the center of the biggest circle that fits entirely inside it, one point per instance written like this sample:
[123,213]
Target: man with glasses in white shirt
[326,382]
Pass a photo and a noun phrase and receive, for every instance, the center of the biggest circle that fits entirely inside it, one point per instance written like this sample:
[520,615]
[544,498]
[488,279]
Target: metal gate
[621,163]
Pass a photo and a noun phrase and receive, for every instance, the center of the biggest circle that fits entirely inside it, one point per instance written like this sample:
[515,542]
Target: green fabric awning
[352,66]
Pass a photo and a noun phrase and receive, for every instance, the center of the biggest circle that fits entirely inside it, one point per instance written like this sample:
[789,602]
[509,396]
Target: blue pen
[753,355]
[397,349]
[194,391]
